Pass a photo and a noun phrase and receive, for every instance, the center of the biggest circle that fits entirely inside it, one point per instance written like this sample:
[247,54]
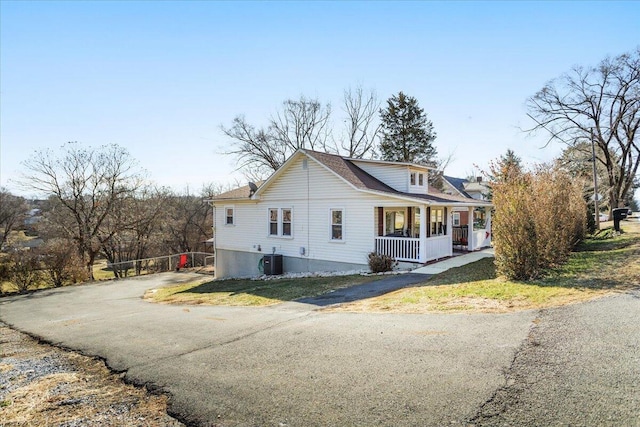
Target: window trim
[342,225]
[233,215]
[440,226]
[279,223]
[455,219]
[290,222]
[417,179]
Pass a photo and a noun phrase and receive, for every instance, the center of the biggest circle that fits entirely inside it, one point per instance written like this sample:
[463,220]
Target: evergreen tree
[508,165]
[407,135]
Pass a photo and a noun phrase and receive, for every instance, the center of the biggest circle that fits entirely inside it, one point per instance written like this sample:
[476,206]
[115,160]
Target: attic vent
[305,164]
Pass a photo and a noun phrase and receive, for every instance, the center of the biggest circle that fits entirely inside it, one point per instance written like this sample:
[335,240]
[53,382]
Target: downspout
[308,217]
[213,236]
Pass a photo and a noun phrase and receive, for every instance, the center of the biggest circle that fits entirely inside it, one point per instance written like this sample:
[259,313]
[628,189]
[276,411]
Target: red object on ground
[182,261]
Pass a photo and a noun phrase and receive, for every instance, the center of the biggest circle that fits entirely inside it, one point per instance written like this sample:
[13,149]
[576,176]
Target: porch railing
[460,235]
[409,249]
[400,248]
[437,247]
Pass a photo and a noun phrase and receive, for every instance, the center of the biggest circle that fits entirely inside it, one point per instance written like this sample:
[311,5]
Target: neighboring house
[324,212]
[476,189]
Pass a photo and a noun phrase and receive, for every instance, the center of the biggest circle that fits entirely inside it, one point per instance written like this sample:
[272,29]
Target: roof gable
[346,170]
[457,184]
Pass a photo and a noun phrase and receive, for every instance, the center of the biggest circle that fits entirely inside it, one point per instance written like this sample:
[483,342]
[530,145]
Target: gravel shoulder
[44,385]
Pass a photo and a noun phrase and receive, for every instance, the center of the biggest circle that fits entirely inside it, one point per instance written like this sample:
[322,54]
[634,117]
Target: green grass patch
[599,266]
[245,292]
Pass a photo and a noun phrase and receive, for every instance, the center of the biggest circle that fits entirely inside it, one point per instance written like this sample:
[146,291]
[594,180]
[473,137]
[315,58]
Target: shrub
[24,269]
[62,262]
[539,218]
[379,263]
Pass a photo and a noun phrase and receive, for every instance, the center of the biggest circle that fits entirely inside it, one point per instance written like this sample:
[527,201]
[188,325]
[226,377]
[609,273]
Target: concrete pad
[457,261]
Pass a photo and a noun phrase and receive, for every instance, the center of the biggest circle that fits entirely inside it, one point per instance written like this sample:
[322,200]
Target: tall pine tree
[407,135]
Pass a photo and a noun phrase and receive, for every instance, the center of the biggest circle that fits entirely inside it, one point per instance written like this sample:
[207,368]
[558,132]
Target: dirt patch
[43,385]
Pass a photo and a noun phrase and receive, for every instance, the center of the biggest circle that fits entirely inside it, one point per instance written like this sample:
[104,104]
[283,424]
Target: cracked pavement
[291,365]
[579,366]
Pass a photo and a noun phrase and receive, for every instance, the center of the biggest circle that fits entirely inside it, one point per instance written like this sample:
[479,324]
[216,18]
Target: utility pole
[595,182]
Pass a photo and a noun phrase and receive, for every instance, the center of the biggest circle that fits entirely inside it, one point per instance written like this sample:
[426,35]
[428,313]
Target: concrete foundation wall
[246,264]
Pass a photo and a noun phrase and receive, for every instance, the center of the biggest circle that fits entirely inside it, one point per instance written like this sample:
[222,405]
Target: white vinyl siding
[395,176]
[311,194]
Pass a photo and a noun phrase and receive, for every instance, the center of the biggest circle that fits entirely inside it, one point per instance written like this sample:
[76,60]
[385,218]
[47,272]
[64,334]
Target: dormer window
[417,181]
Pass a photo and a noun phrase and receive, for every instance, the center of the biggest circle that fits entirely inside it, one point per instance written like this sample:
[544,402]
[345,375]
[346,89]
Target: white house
[324,212]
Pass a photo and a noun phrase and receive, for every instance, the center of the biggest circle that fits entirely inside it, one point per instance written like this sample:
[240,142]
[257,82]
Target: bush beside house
[539,218]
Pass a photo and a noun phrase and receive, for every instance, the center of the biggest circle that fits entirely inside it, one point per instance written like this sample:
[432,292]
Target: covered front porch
[424,233]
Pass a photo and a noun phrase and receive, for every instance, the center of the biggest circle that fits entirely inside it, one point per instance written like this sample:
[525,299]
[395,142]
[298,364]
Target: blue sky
[161,77]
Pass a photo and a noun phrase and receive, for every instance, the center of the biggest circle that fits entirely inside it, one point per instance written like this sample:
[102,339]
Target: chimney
[479,179]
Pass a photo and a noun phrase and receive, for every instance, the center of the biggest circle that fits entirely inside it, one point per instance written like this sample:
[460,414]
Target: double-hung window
[229,215]
[456,219]
[280,222]
[337,225]
[286,222]
[437,222]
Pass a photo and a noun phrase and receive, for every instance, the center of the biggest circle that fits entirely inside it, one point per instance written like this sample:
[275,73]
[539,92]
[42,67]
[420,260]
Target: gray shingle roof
[243,192]
[458,183]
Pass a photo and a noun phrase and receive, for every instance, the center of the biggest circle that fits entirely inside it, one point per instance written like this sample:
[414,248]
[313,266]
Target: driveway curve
[284,365]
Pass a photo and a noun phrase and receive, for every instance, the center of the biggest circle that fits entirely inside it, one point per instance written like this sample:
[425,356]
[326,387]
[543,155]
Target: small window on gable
[337,218]
[229,217]
[413,178]
[420,179]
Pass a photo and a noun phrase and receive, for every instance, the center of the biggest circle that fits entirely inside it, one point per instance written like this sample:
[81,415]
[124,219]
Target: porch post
[449,220]
[423,233]
[470,243]
[487,225]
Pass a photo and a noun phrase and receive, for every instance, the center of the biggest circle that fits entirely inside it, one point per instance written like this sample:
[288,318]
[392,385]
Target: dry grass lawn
[246,292]
[597,268]
[42,385]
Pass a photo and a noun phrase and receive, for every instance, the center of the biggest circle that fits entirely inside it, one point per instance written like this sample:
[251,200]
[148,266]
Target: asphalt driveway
[287,365]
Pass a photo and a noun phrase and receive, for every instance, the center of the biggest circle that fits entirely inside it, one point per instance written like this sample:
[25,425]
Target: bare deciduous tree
[362,124]
[604,99]
[87,183]
[302,123]
[187,223]
[12,212]
[133,231]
